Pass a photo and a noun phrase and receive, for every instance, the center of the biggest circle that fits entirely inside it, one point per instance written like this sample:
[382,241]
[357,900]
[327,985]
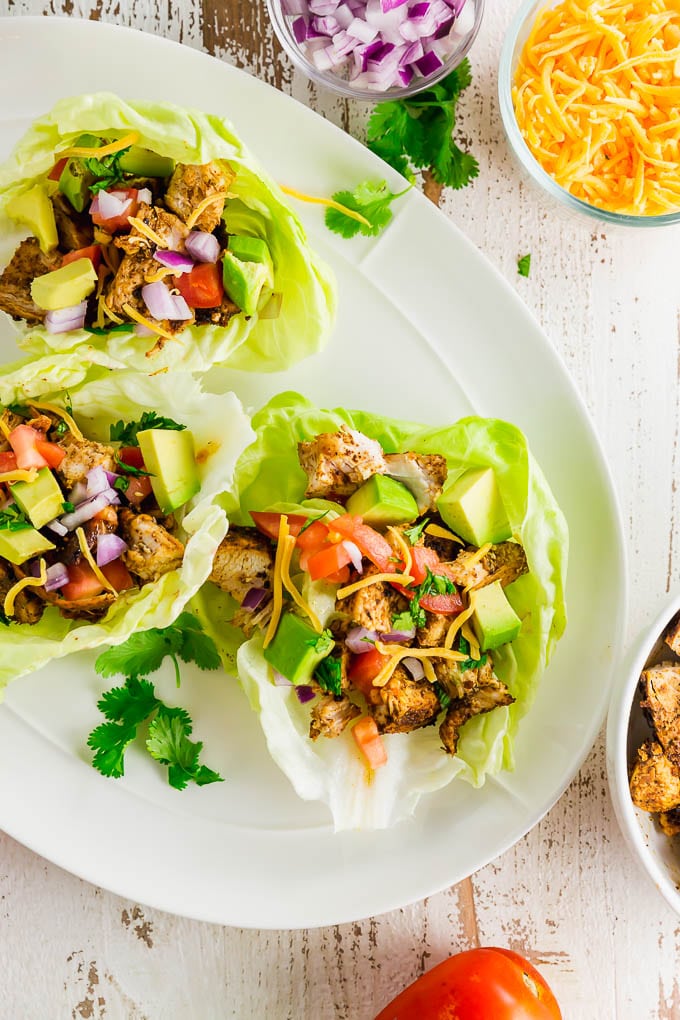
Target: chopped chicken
[464,573]
[331,715]
[126,286]
[244,560]
[28,608]
[458,682]
[655,781]
[90,608]
[190,185]
[422,474]
[372,607]
[81,456]
[336,463]
[152,551]
[403,704]
[169,228]
[670,822]
[27,262]
[74,229]
[673,636]
[482,699]
[660,686]
[505,562]
[41,423]
[445,548]
[218,316]
[433,634]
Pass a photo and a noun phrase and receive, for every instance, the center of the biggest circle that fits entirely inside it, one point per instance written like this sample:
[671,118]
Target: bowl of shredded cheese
[590,100]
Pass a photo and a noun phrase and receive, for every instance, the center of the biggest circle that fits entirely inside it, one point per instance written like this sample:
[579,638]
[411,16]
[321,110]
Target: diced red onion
[326,25]
[429,63]
[304,693]
[344,16]
[414,666]
[164,305]
[280,680]
[253,598]
[57,577]
[109,204]
[399,636]
[272,309]
[112,478]
[64,319]
[292,7]
[174,260]
[323,7]
[87,510]
[144,195]
[97,481]
[354,552]
[57,527]
[360,640]
[109,548]
[78,493]
[361,30]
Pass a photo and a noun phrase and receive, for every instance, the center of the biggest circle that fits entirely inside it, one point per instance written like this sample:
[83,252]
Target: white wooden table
[567,896]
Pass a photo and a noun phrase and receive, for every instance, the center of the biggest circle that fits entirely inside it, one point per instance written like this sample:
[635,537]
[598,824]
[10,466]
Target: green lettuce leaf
[256,207]
[331,770]
[221,432]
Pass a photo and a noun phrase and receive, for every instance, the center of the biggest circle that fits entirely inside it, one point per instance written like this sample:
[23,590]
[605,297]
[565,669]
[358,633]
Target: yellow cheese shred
[153,326]
[160,274]
[19,475]
[458,623]
[403,547]
[85,550]
[477,556]
[60,413]
[25,582]
[350,589]
[399,652]
[302,197]
[292,590]
[104,308]
[438,532]
[277,582]
[469,635]
[147,231]
[100,150]
[4,427]
[202,206]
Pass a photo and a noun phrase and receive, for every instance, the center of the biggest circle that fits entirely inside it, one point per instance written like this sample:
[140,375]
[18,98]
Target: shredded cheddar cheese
[153,326]
[353,215]
[202,206]
[147,231]
[458,622]
[404,548]
[469,635]
[60,413]
[19,475]
[438,532]
[597,99]
[292,590]
[160,274]
[477,556]
[4,427]
[105,310]
[100,150]
[25,582]
[350,589]
[85,550]
[399,652]
[277,582]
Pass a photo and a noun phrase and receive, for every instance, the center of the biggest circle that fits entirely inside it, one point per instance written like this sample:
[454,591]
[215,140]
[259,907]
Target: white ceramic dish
[427,330]
[627,728]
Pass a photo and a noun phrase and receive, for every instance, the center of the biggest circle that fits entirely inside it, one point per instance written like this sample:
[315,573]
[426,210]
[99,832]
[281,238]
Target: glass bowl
[342,84]
[513,44]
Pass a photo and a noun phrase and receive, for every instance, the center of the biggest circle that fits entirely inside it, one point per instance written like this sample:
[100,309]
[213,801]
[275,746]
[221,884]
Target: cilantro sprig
[125,433]
[524,265]
[106,170]
[134,704]
[464,649]
[371,200]
[328,675]
[434,584]
[413,534]
[13,519]
[417,133]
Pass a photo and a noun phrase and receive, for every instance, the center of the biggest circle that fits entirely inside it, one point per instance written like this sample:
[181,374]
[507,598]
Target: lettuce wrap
[255,207]
[268,476]
[221,432]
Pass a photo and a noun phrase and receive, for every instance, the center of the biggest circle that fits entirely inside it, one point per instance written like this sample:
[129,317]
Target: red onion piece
[253,598]
[78,493]
[398,636]
[57,527]
[97,481]
[109,548]
[144,195]
[143,331]
[64,319]
[57,577]
[415,667]
[87,510]
[109,204]
[360,640]
[354,552]
[164,305]
[304,693]
[174,260]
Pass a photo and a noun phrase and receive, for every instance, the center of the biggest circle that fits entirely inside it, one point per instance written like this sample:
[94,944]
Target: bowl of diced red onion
[376,49]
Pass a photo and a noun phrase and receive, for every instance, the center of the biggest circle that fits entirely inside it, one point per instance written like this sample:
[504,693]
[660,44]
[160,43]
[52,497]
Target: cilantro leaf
[21,410]
[126,432]
[402,621]
[131,704]
[13,519]
[168,742]
[144,651]
[434,584]
[417,132]
[68,507]
[372,200]
[328,674]
[110,741]
[129,469]
[413,534]
[524,265]
[106,170]
[312,520]
[464,649]
[196,645]
[324,643]
[4,619]
[123,327]
[442,694]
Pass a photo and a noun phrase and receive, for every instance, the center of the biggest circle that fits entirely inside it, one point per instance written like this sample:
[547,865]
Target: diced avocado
[75,179]
[170,458]
[19,546]
[473,508]
[41,500]
[494,621]
[382,501]
[249,249]
[33,207]
[293,651]
[145,163]
[244,281]
[64,287]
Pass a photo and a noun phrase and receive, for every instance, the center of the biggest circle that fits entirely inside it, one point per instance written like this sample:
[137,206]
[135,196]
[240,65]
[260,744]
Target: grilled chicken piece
[74,229]
[27,262]
[372,607]
[190,185]
[330,715]
[168,227]
[458,682]
[422,474]
[436,627]
[125,287]
[673,636]
[244,560]
[81,456]
[655,781]
[660,686]
[670,822]
[462,572]
[403,704]
[28,607]
[338,462]
[485,698]
[219,316]
[505,562]
[152,551]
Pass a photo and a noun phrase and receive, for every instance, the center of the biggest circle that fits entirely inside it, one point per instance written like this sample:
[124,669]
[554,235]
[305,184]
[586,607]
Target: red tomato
[118,224]
[370,542]
[369,742]
[117,574]
[312,540]
[57,170]
[22,439]
[93,252]
[341,577]
[202,287]
[52,452]
[364,669]
[480,984]
[424,559]
[138,488]
[447,604]
[8,461]
[131,455]
[83,583]
[328,561]
[268,523]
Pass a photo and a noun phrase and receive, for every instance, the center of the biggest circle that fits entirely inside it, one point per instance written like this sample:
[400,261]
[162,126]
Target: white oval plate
[427,330]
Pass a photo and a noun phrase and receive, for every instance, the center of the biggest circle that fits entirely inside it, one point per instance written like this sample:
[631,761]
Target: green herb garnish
[324,643]
[442,694]
[312,520]
[144,651]
[434,584]
[402,621]
[122,484]
[125,433]
[328,675]
[413,534]
[107,170]
[13,519]
[371,200]
[68,507]
[123,327]
[130,469]
[524,265]
[464,649]
[21,410]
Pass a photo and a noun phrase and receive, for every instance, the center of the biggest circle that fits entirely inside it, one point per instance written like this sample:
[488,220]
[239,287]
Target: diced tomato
[370,542]
[447,604]
[424,559]
[369,742]
[93,252]
[52,452]
[269,523]
[57,170]
[312,540]
[83,583]
[341,577]
[202,287]
[139,487]
[364,668]
[8,461]
[131,455]
[117,574]
[118,224]
[328,560]
[23,441]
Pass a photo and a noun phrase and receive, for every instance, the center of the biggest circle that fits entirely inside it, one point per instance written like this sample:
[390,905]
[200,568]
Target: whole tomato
[480,984]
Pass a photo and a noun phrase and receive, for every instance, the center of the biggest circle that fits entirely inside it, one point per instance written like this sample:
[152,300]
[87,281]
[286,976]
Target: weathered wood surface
[568,895]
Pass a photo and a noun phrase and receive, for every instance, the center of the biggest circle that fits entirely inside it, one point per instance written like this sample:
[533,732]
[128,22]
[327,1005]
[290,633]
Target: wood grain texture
[568,895]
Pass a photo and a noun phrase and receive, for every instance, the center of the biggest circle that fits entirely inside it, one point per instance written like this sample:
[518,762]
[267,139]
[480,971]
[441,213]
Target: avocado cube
[24,544]
[34,209]
[170,458]
[41,500]
[249,249]
[473,508]
[293,652]
[494,621]
[244,281]
[382,501]
[145,163]
[75,179]
[64,287]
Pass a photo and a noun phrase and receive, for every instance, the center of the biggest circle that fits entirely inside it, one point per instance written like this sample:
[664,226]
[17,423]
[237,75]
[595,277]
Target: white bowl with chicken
[643,752]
